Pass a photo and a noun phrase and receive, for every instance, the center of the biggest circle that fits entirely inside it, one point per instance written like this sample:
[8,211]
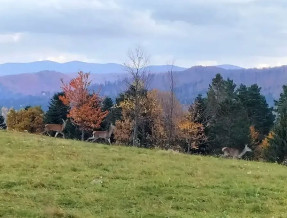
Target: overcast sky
[248,33]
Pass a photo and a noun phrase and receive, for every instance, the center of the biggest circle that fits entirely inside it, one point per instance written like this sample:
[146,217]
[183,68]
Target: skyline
[245,33]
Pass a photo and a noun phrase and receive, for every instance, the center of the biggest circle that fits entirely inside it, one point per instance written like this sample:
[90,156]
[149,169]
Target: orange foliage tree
[192,132]
[85,108]
[264,145]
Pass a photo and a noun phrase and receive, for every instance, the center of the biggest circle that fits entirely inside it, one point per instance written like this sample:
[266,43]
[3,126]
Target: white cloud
[242,32]
[10,38]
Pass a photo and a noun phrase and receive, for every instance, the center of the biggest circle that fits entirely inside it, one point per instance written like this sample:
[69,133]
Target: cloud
[190,31]
[10,38]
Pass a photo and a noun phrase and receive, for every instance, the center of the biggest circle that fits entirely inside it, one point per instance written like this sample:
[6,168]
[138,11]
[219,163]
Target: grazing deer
[235,153]
[58,128]
[103,134]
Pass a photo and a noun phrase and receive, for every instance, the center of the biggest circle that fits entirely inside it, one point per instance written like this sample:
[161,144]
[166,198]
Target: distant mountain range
[35,83]
[74,66]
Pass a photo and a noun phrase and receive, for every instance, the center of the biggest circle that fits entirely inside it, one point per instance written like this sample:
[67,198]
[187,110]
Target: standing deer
[235,153]
[58,128]
[103,134]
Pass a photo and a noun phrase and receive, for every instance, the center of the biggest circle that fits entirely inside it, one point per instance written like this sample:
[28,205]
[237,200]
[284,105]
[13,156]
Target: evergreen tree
[259,114]
[113,115]
[281,104]
[58,111]
[277,151]
[2,123]
[228,123]
[107,104]
[197,110]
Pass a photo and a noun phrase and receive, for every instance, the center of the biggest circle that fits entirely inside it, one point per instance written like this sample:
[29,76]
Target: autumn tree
[84,108]
[262,149]
[136,68]
[57,112]
[126,104]
[151,129]
[30,120]
[164,99]
[193,133]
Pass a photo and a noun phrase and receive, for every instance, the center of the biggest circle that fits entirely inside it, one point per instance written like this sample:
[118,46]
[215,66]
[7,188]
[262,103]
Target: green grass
[45,177]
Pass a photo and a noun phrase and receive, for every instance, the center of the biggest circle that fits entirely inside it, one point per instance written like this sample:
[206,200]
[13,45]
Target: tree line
[226,116]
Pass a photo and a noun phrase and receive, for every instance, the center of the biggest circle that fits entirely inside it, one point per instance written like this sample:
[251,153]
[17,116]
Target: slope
[42,177]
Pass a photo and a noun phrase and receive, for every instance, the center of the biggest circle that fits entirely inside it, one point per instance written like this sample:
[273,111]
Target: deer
[103,134]
[58,128]
[235,153]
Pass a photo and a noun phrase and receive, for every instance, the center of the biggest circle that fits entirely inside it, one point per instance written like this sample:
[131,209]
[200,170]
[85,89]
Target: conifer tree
[277,151]
[228,124]
[2,123]
[58,111]
[259,114]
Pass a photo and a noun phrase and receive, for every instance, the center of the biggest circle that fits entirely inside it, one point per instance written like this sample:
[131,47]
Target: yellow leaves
[261,148]
[30,120]
[254,135]
[189,128]
[265,143]
[192,132]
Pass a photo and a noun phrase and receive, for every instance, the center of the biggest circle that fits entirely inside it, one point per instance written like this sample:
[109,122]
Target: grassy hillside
[45,177]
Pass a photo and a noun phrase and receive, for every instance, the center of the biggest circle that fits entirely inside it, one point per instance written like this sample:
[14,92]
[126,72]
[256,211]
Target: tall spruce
[58,111]
[277,151]
[113,115]
[259,113]
[228,124]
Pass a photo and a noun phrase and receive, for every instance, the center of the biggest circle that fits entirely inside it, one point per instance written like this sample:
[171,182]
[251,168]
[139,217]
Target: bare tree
[136,67]
[170,117]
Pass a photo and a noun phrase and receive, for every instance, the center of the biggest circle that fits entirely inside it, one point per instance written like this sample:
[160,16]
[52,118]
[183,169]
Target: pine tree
[58,111]
[228,124]
[259,114]
[2,123]
[198,109]
[277,151]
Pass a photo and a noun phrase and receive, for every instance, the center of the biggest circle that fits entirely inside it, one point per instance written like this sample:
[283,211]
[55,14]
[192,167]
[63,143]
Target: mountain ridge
[189,82]
[75,66]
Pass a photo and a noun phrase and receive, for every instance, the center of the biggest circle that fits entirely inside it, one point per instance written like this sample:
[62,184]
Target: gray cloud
[243,32]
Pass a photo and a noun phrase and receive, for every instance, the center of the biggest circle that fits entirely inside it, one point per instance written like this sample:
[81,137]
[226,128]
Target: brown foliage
[123,131]
[30,120]
[192,132]
[153,117]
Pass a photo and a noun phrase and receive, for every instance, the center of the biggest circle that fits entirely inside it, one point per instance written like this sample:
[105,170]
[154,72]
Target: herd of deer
[106,135]
[59,129]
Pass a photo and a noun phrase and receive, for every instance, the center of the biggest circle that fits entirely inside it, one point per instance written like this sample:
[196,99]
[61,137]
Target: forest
[228,116]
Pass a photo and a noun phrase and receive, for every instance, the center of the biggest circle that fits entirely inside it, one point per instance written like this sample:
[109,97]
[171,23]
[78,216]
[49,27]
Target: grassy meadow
[42,176]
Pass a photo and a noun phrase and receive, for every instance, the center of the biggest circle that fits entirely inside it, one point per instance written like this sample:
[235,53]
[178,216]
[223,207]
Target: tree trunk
[171,110]
[135,132]
[83,135]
